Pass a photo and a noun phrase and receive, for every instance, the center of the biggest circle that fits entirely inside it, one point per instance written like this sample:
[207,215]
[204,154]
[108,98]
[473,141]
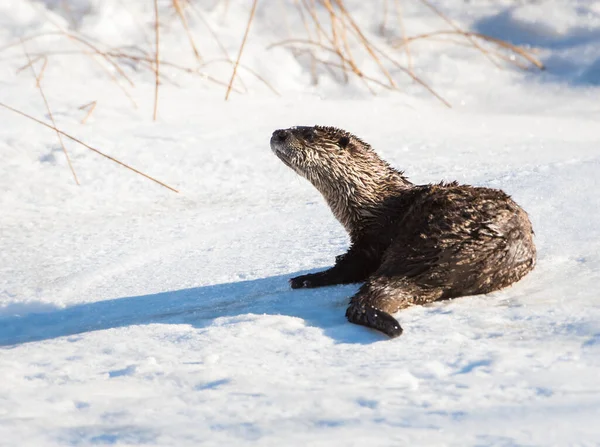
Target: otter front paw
[374,318]
[302,282]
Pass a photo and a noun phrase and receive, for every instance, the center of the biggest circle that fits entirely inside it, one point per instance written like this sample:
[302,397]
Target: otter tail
[369,316]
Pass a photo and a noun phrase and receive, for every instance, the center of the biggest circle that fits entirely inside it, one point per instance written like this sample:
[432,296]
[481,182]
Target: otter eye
[308,136]
[343,142]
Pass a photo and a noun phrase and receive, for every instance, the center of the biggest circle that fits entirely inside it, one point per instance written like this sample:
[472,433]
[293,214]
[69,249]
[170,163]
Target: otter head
[347,172]
[324,154]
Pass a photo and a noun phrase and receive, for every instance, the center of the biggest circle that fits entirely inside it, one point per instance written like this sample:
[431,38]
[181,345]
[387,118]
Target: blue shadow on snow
[560,66]
[199,306]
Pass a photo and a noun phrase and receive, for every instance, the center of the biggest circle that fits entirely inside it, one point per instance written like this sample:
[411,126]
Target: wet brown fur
[410,244]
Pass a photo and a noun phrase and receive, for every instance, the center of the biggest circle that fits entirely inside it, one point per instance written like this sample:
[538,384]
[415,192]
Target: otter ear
[344,142]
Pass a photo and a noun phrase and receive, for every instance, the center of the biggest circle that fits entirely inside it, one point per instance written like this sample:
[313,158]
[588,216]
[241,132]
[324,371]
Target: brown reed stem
[237,61]
[91,106]
[461,31]
[501,43]
[365,42]
[384,19]
[415,78]
[313,64]
[404,37]
[41,90]
[331,50]
[97,151]
[248,69]
[334,35]
[95,51]
[215,36]
[181,15]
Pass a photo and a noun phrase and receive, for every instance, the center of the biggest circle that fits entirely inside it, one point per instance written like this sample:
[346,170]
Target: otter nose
[280,135]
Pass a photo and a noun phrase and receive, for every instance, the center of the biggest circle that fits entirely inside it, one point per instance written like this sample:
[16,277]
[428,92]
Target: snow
[131,315]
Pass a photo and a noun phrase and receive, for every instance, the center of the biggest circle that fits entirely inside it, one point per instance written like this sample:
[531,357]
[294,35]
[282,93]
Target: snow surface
[130,315]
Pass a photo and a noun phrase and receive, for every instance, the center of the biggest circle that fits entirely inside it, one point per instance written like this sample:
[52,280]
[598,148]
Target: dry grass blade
[93,47]
[345,59]
[313,62]
[215,36]
[501,43]
[461,43]
[156,59]
[333,19]
[416,79]
[461,31]
[95,51]
[212,32]
[136,19]
[312,11]
[331,50]
[150,62]
[71,17]
[87,146]
[91,106]
[365,42]
[41,90]
[226,9]
[372,50]
[24,39]
[237,61]
[40,75]
[347,48]
[329,66]
[384,20]
[31,62]
[181,15]
[518,50]
[364,77]
[248,69]
[404,38]
[352,62]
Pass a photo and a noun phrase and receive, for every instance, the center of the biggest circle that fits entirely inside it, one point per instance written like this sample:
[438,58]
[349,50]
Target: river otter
[410,244]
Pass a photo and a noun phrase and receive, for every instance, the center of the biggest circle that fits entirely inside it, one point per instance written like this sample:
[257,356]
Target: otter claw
[300,282]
